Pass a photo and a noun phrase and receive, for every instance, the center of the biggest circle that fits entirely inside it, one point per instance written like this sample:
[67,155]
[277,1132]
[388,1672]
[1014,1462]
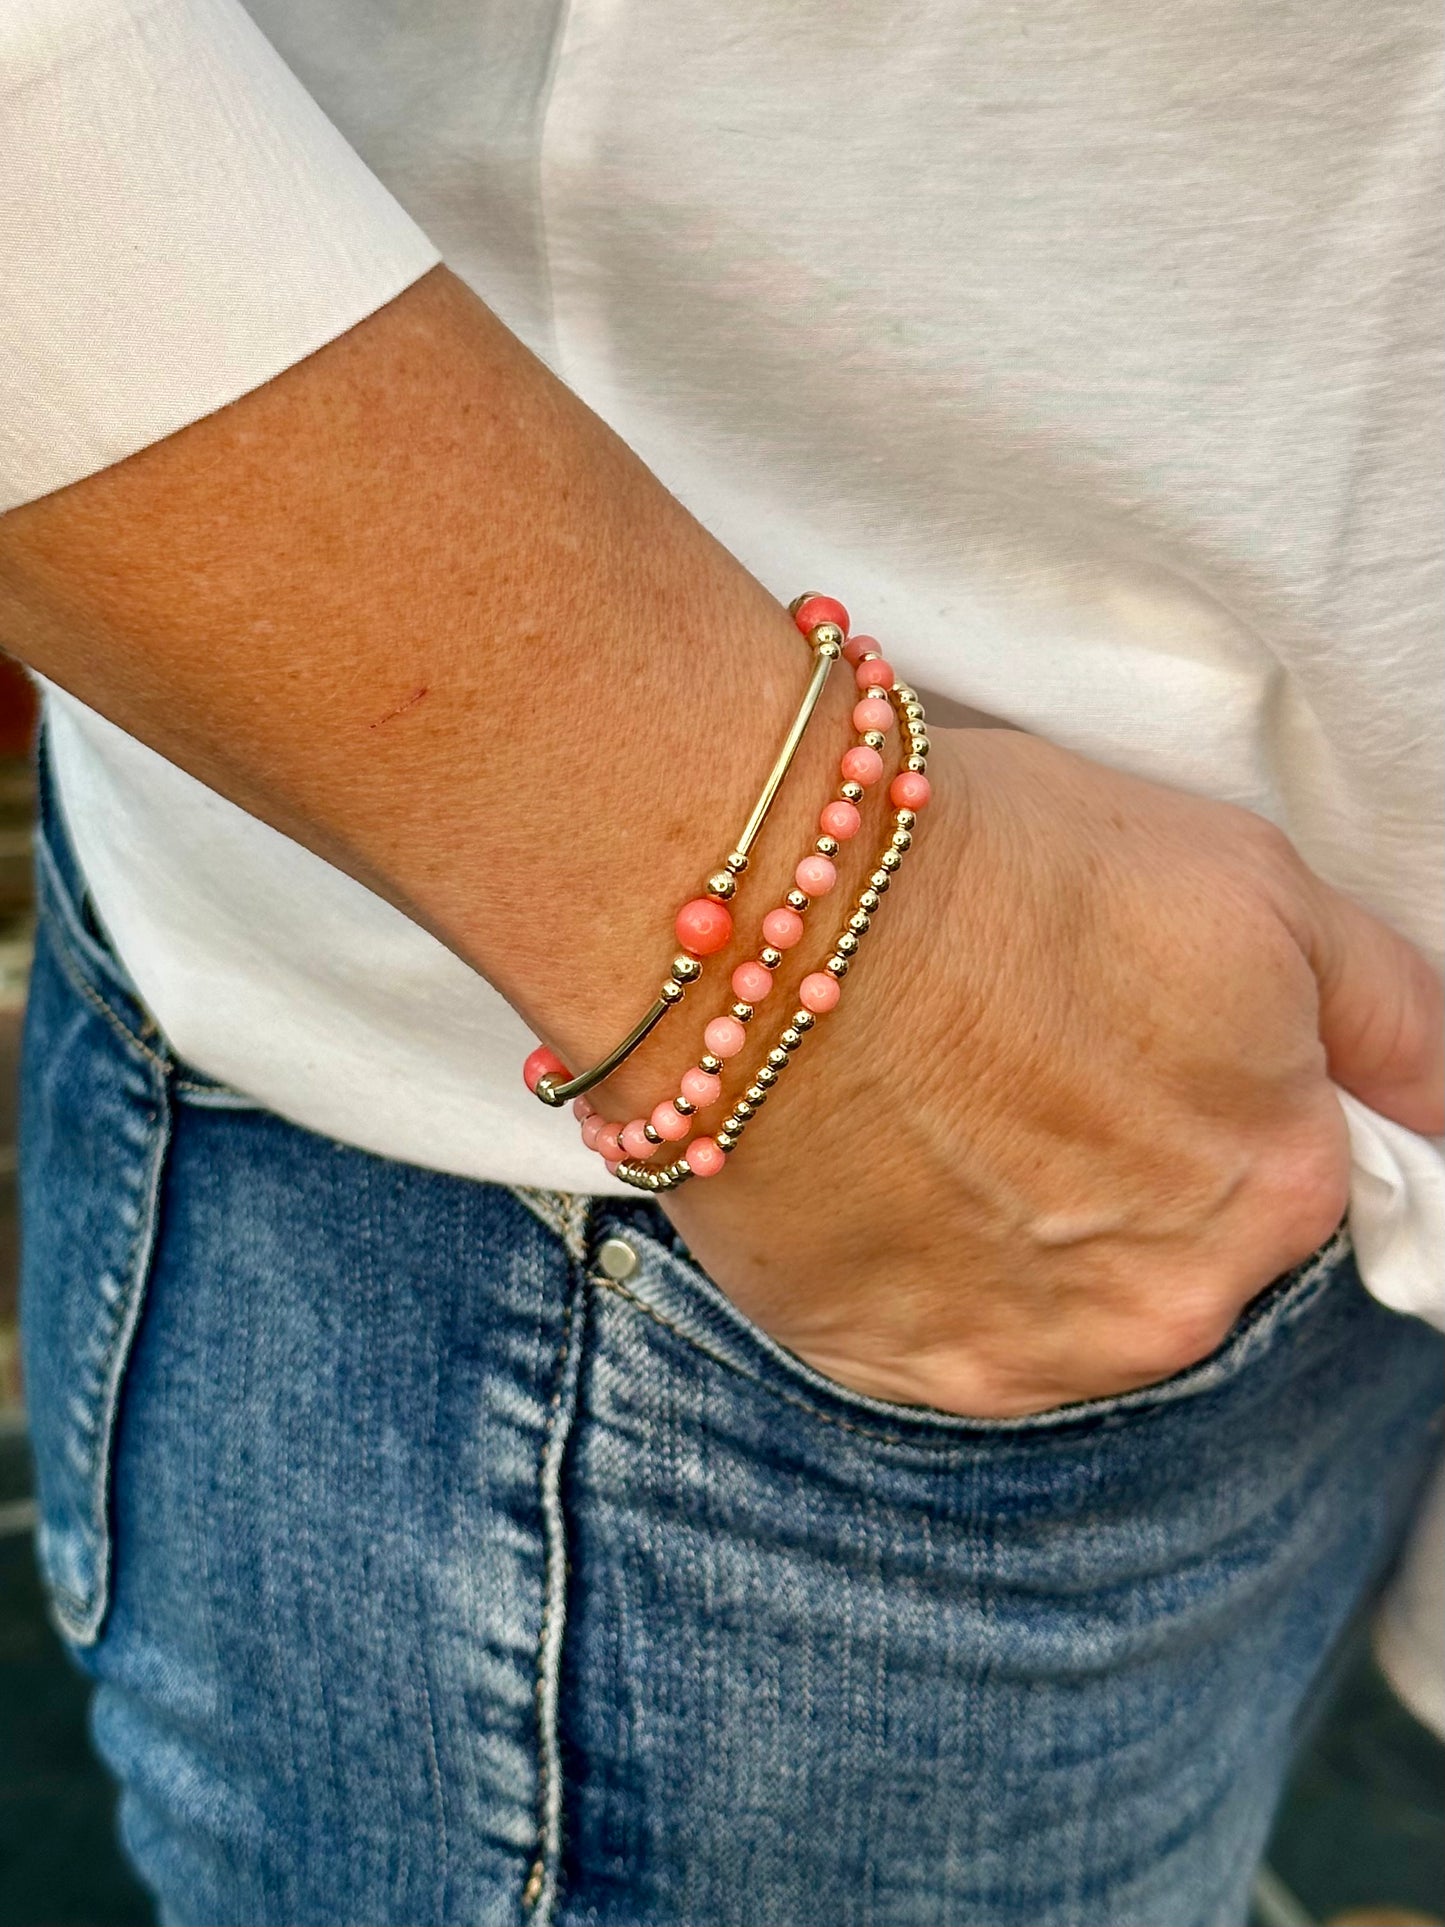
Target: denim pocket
[671,1288]
[94,1127]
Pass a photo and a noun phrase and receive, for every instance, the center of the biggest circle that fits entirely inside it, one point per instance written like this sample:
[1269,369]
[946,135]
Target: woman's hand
[1076,1106]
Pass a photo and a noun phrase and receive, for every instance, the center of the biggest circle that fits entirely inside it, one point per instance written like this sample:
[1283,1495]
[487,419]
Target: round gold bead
[868,901]
[921,745]
[685,969]
[649,1131]
[905,692]
[724,1140]
[743,1109]
[797,900]
[684,1106]
[902,839]
[826,845]
[851,792]
[860,922]
[880,880]
[767,1075]
[707,1062]
[778,1058]
[905,819]
[890,860]
[769,958]
[743,1013]
[736,862]
[837,966]
[803,1020]
[672,992]
[756,1094]
[874,738]
[826,636]
[918,764]
[847,944]
[790,1038]
[912,711]
[722,884]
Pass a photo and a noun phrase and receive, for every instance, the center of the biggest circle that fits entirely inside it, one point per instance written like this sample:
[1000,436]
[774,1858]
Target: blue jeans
[429,1573]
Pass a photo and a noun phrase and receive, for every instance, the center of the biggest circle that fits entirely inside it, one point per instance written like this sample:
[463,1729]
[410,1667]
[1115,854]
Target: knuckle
[1304,1190]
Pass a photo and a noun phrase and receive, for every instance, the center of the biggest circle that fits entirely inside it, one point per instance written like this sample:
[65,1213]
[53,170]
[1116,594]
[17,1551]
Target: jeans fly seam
[539,1895]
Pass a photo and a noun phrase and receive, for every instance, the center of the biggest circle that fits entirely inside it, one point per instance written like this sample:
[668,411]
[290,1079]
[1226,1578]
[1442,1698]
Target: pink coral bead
[862,765]
[724,1037]
[840,819]
[876,674]
[872,713]
[820,608]
[592,1129]
[909,790]
[700,1087]
[704,1157]
[815,876]
[752,982]
[704,926]
[669,1124]
[782,928]
[858,646]
[819,992]
[542,1063]
[609,1142]
[581,1109]
[634,1143]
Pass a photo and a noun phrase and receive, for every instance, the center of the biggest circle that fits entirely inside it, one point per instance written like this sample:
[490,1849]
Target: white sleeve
[179,222]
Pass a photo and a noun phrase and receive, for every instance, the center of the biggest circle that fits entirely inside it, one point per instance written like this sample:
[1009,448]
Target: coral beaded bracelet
[704,924]
[628,1147]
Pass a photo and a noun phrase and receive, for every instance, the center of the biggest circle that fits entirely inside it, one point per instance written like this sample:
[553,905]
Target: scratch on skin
[412,700]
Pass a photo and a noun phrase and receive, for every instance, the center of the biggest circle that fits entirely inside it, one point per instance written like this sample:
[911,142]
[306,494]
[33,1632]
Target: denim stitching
[539,1894]
[1301,1286]
[98,1003]
[83,1624]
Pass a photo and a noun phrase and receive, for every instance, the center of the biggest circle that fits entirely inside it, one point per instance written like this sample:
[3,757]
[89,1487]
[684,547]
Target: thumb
[1382,1014]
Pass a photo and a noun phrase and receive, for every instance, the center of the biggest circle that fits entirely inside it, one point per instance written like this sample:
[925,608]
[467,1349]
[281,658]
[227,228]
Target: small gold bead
[847,944]
[743,1109]
[743,1013]
[905,819]
[722,884]
[837,966]
[649,1131]
[912,711]
[918,764]
[684,1106]
[906,692]
[903,839]
[672,992]
[797,900]
[769,958]
[736,862]
[826,636]
[724,1140]
[685,969]
[826,845]
[803,1020]
[732,1122]
[707,1062]
[874,738]
[851,792]
[791,1038]
[880,880]
[921,745]
[868,901]
[767,1075]
[756,1094]
[860,922]
[778,1058]
[890,860]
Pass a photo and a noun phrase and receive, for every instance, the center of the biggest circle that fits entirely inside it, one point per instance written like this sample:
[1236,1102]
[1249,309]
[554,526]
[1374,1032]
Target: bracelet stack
[704,926]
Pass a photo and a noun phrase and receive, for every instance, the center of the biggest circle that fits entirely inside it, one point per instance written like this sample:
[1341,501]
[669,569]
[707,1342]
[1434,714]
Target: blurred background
[1360,1841]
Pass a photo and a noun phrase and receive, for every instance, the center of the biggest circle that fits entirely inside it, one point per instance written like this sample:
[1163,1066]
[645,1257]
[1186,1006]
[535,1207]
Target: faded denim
[428,1575]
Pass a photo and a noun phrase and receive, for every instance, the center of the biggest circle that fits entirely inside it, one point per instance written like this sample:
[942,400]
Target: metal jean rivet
[617,1258]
